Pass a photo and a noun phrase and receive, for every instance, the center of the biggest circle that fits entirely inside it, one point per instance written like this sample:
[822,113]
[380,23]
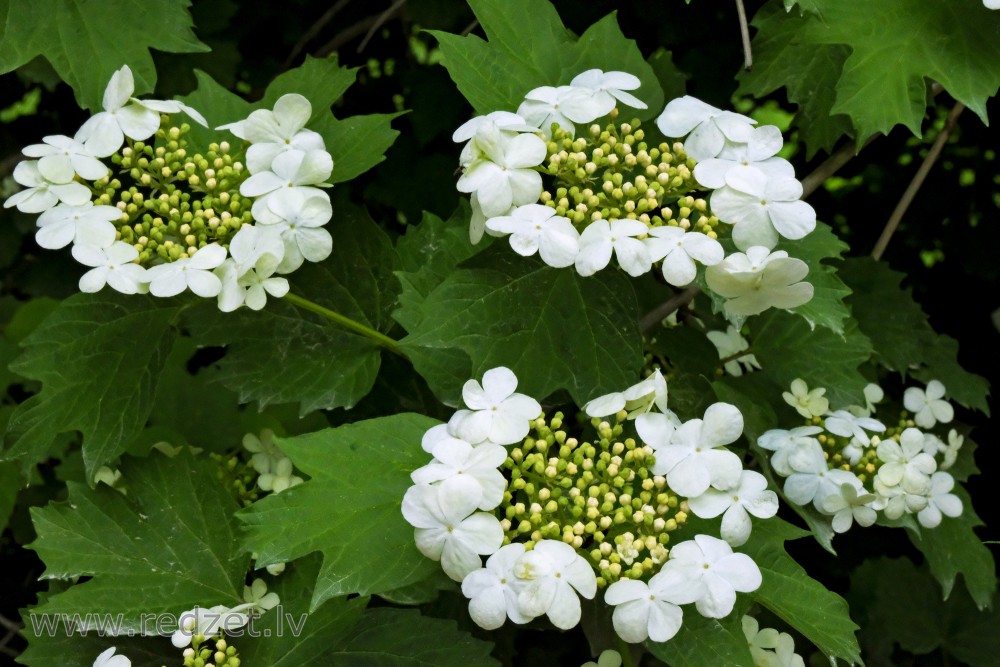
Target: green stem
[380,339]
[625,650]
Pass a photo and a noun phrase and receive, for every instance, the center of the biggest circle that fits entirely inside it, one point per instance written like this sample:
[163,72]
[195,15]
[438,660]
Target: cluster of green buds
[237,476]
[600,498]
[173,202]
[221,655]
[612,173]
[868,464]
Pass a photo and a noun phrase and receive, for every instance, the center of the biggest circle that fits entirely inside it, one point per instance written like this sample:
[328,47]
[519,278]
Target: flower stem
[625,650]
[380,339]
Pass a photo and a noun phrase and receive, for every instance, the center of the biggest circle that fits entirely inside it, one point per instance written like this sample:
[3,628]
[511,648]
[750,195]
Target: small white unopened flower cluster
[505,156]
[454,501]
[211,621]
[275,470]
[835,465]
[211,250]
[770,648]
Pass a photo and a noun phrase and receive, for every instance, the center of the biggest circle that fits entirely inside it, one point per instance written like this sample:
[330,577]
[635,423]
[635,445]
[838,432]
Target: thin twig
[345,36]
[832,165]
[9,624]
[9,651]
[735,356]
[469,28]
[676,302]
[918,180]
[380,21]
[745,34]
[309,34]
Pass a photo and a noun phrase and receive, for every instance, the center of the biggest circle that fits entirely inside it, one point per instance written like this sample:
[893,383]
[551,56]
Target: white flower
[898,500]
[252,243]
[109,659]
[991,4]
[651,610]
[266,454]
[761,208]
[768,647]
[291,170]
[852,503]
[709,128]
[637,399]
[193,272]
[757,152]
[492,590]
[42,193]
[104,132]
[812,480]
[928,407]
[257,596]
[807,403]
[564,106]
[504,175]
[786,444]
[940,501]
[551,575]
[679,249]
[299,214]
[853,451]
[497,413]
[251,288]
[454,457]
[905,462]
[844,424]
[728,343]
[601,237]
[608,658]
[61,155]
[208,622]
[433,436]
[500,120]
[446,528]
[722,573]
[271,133]
[282,476]
[537,228]
[758,280]
[85,224]
[955,441]
[610,84]
[873,394]
[113,266]
[749,496]
[691,462]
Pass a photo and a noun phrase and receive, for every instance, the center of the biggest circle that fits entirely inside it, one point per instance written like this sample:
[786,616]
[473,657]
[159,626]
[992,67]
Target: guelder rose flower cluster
[579,193]
[147,216]
[850,466]
[504,480]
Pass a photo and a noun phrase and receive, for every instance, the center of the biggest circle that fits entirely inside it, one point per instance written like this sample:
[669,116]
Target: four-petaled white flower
[104,132]
[266,453]
[749,496]
[873,394]
[256,595]
[280,477]
[758,280]
[454,458]
[761,208]
[851,503]
[722,573]
[84,225]
[651,611]
[710,128]
[552,574]
[844,424]
[537,228]
[729,343]
[503,175]
[807,403]
[679,249]
[610,84]
[291,170]
[109,659]
[273,132]
[758,152]
[691,461]
[492,590]
[500,120]
[60,155]
[785,444]
[496,413]
[905,462]
[564,106]
[637,399]
[208,622]
[812,480]
[252,287]
[940,500]
[602,237]
[770,648]
[446,528]
[299,214]
[955,440]
[114,265]
[928,407]
[41,193]
[194,273]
